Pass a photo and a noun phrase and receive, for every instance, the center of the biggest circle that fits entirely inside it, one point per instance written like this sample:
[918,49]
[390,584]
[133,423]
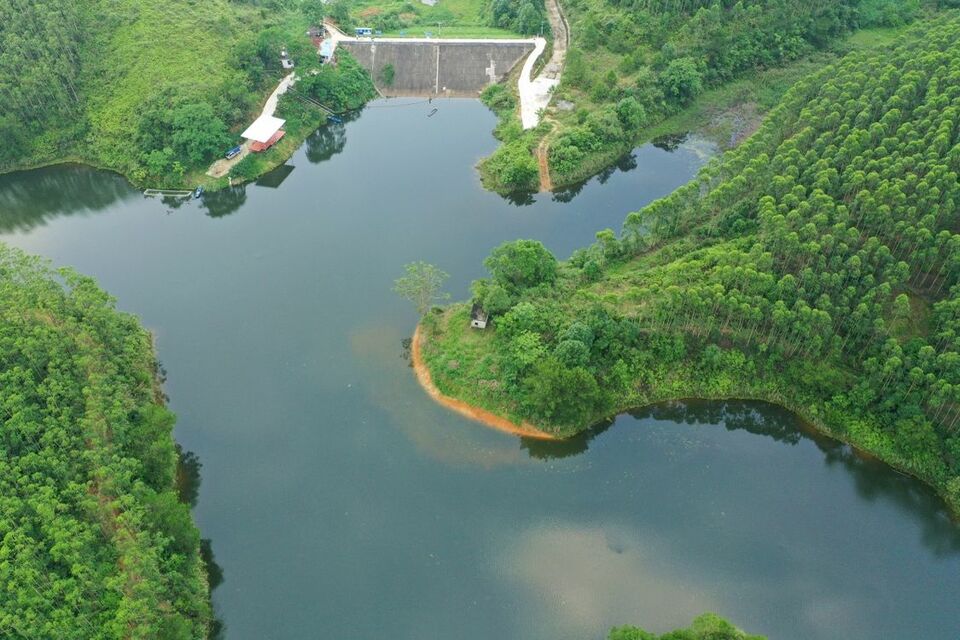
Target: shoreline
[487,418]
[813,426]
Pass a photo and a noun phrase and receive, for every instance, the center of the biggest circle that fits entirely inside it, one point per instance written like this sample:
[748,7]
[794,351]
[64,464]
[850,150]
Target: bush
[513,167]
[521,264]
[682,80]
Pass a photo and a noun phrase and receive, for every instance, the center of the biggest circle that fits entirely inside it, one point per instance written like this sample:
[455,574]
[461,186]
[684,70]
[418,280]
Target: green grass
[175,45]
[147,53]
[875,37]
[453,31]
[456,18]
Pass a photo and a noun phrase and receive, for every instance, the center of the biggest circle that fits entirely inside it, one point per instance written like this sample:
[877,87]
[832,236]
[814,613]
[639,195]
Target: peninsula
[816,266]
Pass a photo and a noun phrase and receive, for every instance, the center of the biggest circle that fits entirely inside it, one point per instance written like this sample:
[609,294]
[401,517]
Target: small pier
[168,193]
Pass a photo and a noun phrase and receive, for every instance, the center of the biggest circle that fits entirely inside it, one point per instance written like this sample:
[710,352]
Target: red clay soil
[546,184]
[482,416]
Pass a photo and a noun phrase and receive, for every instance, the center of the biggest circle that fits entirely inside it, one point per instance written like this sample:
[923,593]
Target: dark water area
[340,502]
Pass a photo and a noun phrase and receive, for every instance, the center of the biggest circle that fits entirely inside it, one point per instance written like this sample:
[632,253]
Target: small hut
[478,317]
[326,51]
[264,132]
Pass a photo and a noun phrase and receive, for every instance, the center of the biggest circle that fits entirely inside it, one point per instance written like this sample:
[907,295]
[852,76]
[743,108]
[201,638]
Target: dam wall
[438,68]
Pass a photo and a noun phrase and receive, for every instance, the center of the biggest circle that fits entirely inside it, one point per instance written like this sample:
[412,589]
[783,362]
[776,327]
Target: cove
[342,502]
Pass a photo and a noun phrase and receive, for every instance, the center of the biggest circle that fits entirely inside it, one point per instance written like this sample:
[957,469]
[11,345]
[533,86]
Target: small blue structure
[363,32]
[326,51]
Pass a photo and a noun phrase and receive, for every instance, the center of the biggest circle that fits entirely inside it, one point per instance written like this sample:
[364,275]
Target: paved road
[535,93]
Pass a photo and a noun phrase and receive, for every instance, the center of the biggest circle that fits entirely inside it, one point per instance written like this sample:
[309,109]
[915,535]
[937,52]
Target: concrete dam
[438,67]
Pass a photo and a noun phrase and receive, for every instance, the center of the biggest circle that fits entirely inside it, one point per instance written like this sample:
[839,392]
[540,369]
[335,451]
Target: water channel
[342,503]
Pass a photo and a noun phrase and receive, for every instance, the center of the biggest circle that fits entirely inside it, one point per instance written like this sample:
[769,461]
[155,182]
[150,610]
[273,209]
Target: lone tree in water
[422,285]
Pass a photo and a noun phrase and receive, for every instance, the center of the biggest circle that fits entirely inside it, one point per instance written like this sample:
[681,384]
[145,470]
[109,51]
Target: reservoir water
[342,503]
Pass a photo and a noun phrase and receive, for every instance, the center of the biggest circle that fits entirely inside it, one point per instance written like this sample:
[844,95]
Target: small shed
[263,128]
[326,50]
[264,132]
[478,317]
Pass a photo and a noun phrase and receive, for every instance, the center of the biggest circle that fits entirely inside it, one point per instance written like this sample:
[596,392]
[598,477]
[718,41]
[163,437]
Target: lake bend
[342,502]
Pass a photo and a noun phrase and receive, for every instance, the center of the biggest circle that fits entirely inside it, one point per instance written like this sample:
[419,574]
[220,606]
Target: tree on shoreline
[422,285]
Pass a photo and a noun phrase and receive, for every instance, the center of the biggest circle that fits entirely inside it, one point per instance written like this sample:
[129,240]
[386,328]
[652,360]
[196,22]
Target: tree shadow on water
[873,480]
[225,201]
[28,199]
[566,448]
[188,488]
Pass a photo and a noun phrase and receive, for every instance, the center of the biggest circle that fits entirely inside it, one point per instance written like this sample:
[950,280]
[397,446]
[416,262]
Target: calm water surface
[342,503]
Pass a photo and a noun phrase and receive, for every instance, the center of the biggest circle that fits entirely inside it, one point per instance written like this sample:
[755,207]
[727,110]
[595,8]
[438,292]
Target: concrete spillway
[444,68]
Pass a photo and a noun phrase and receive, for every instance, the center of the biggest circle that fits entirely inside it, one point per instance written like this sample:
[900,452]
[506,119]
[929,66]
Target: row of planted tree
[817,265]
[94,540]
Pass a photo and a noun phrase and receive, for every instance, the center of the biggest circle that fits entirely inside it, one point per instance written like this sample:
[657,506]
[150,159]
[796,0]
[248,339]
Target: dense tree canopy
[708,626]
[663,55]
[94,542]
[153,90]
[818,266]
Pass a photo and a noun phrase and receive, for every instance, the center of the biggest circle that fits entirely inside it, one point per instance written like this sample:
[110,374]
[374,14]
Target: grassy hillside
[446,18]
[632,66]
[153,90]
[816,266]
[94,540]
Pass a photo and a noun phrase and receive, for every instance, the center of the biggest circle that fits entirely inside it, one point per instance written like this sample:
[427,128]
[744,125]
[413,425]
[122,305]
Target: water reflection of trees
[553,449]
[873,480]
[671,141]
[188,488]
[225,201]
[519,198]
[327,141]
[625,164]
[29,199]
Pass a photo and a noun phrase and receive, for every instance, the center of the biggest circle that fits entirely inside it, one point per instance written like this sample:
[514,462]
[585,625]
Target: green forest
[816,266]
[634,63]
[155,91]
[94,540]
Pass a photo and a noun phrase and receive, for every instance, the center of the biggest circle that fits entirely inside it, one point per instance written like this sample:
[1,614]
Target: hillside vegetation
[153,90]
[708,626]
[634,63]
[94,541]
[446,18]
[816,266]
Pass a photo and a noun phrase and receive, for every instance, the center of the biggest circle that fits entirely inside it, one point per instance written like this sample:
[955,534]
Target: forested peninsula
[635,67]
[816,266]
[94,540]
[158,90]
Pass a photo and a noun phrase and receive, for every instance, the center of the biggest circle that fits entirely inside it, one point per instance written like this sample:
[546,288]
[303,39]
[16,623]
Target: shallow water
[342,503]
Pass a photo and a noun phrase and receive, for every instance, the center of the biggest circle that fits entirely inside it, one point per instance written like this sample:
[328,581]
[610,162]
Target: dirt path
[482,416]
[546,184]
